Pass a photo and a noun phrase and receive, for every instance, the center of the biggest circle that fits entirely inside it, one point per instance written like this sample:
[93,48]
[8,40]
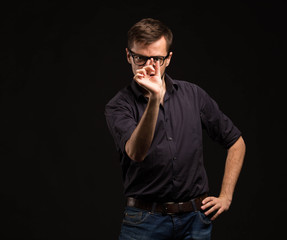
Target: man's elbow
[239,145]
[136,156]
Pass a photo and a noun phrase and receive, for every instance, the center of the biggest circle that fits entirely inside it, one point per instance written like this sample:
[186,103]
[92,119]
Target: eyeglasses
[141,60]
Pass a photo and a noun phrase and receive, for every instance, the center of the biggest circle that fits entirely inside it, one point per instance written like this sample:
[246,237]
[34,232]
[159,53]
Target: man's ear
[128,56]
[168,59]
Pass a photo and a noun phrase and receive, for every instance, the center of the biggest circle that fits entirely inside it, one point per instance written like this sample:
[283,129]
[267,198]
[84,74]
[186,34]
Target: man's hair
[147,31]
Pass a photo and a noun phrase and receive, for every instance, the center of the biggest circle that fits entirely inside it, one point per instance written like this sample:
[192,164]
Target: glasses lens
[140,60]
[159,59]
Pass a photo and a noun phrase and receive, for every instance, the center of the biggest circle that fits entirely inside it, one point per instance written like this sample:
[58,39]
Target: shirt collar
[169,83]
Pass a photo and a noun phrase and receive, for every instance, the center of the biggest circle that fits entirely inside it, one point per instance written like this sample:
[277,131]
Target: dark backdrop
[62,62]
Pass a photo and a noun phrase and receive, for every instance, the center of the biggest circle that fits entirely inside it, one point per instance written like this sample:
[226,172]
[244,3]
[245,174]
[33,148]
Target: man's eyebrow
[140,55]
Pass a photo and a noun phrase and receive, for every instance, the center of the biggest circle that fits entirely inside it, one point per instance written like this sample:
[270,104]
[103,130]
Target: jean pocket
[134,216]
[203,218]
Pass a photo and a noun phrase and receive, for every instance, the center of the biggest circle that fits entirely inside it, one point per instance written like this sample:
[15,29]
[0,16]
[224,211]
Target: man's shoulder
[187,86]
[123,95]
[184,83]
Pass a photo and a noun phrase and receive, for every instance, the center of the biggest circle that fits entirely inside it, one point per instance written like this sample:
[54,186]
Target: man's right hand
[149,78]
[139,143]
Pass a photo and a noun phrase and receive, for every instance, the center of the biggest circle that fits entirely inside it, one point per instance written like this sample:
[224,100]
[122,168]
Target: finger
[138,76]
[211,210]
[148,62]
[206,200]
[149,68]
[140,81]
[157,68]
[216,214]
[142,71]
[208,205]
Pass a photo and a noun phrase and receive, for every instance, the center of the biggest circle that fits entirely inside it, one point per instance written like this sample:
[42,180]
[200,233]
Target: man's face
[157,48]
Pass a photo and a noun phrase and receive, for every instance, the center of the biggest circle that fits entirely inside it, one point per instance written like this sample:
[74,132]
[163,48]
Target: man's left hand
[216,205]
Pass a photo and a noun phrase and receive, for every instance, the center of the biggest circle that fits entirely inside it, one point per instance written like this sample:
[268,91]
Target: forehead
[157,48]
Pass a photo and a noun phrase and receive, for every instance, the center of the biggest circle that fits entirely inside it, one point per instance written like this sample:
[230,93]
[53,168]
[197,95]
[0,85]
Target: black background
[60,64]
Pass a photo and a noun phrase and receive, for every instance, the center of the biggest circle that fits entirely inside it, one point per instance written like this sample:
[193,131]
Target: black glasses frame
[145,58]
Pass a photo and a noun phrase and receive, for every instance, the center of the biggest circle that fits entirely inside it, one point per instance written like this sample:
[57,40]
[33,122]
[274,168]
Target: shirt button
[170,138]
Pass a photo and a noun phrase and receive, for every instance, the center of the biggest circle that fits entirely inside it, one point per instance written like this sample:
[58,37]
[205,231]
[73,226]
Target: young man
[157,124]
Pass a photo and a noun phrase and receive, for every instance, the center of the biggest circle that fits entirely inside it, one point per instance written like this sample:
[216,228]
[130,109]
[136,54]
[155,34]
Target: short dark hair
[149,30]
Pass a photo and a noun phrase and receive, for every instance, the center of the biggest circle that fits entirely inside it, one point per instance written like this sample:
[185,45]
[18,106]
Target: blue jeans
[143,225]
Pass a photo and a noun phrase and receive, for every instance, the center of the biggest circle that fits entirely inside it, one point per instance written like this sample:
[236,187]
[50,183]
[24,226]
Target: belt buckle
[179,208]
[165,208]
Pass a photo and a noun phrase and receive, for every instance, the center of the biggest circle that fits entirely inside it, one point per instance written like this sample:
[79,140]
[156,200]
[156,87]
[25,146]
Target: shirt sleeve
[218,126]
[120,120]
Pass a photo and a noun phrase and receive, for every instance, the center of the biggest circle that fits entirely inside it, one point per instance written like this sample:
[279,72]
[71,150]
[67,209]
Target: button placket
[170,138]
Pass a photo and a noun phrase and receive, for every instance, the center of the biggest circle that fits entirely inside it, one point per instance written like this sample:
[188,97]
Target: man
[157,124]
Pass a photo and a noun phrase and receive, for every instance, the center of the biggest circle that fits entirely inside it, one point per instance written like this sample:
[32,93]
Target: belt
[168,207]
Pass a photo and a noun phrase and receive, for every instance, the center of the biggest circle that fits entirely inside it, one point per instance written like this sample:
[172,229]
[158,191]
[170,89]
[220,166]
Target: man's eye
[138,58]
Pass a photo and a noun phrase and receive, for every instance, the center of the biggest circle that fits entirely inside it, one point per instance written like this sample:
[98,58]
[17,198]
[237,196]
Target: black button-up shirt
[173,169]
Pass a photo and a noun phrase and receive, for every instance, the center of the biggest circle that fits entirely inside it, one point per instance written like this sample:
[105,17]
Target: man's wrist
[226,196]
[155,98]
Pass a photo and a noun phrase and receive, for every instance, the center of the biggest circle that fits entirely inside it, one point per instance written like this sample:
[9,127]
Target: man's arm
[233,165]
[139,143]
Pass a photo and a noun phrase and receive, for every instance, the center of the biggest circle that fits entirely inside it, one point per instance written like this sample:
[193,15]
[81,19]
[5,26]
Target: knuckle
[136,77]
